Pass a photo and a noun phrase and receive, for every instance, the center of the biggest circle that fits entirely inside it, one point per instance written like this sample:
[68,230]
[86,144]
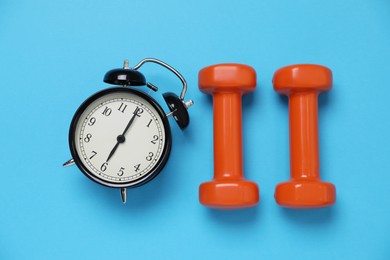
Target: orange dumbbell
[302,84]
[227,83]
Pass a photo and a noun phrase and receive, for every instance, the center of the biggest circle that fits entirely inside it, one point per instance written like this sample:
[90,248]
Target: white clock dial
[120,138]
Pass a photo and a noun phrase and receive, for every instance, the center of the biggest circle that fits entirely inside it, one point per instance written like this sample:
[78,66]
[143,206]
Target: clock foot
[124,195]
[68,163]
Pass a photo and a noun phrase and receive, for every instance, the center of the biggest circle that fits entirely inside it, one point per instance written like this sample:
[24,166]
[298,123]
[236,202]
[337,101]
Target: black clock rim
[131,184]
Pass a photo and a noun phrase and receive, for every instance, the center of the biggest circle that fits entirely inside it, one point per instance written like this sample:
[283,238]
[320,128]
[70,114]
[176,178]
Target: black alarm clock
[120,137]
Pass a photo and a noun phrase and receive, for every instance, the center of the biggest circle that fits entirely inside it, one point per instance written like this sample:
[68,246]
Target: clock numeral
[121,171]
[150,157]
[149,123]
[155,138]
[122,107]
[87,138]
[93,154]
[137,167]
[138,111]
[92,121]
[107,111]
[104,166]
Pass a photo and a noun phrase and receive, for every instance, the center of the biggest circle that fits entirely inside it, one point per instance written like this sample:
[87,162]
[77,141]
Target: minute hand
[135,113]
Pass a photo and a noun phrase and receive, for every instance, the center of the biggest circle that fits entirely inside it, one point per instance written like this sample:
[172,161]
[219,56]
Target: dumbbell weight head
[229,77]
[305,194]
[302,77]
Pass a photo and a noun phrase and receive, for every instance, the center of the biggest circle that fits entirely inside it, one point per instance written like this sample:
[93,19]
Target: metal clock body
[120,137]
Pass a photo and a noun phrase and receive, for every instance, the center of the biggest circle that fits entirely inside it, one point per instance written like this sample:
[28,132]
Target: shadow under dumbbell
[234,216]
[283,100]
[249,100]
[310,216]
[324,100]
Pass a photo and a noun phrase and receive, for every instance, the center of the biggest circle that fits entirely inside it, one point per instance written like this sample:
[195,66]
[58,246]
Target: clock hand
[121,138]
[113,150]
[135,113]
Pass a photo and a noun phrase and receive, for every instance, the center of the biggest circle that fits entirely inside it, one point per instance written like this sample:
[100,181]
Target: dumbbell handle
[303,114]
[227,136]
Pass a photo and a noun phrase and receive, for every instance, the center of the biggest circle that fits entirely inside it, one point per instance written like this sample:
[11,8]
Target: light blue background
[53,55]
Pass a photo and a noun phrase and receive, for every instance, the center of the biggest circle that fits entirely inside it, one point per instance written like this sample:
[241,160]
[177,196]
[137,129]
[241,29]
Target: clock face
[120,137]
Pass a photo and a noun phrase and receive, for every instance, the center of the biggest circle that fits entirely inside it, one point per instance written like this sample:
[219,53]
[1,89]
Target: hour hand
[120,139]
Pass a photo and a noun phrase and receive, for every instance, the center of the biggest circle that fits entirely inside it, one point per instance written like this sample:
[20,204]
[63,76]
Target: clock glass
[120,137]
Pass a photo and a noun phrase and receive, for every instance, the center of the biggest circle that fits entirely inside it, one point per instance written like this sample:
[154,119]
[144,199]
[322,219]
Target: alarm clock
[120,137]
